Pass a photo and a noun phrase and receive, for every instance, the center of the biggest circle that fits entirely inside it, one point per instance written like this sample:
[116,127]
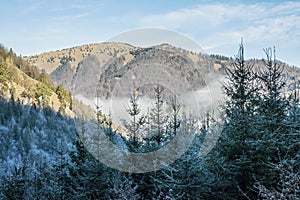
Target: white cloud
[227,23]
[209,14]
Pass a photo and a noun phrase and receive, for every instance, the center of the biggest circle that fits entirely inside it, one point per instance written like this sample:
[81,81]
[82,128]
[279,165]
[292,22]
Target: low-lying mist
[196,103]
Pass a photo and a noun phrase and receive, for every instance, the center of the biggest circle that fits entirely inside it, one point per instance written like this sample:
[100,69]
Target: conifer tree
[274,142]
[238,112]
[273,103]
[136,123]
[175,121]
[157,116]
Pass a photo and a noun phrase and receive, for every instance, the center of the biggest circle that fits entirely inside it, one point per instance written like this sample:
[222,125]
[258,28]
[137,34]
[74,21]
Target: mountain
[98,67]
[76,68]
[111,70]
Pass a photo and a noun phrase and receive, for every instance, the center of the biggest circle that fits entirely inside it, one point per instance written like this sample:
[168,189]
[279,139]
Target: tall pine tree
[157,117]
[238,111]
[136,123]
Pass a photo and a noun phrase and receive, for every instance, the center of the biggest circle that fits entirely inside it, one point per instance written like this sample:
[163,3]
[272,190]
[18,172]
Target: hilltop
[111,69]
[98,67]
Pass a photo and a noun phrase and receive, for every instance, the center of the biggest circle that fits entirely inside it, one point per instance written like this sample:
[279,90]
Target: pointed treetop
[240,54]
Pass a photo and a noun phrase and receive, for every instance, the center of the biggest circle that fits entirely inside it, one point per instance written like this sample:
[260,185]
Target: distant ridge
[94,69]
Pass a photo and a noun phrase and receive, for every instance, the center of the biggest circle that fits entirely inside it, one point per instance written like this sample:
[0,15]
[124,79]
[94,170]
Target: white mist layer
[196,103]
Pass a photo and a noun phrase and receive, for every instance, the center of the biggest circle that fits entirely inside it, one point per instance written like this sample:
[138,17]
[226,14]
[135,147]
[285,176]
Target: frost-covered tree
[273,102]
[174,123]
[238,111]
[257,129]
[189,177]
[293,118]
[15,185]
[157,116]
[123,187]
[288,184]
[181,179]
[32,162]
[136,122]
[294,103]
[276,131]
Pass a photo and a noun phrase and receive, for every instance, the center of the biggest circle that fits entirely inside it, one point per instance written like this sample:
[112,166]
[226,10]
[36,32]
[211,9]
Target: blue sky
[33,26]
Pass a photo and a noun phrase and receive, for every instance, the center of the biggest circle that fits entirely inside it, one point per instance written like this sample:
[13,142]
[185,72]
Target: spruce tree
[157,116]
[273,103]
[238,111]
[135,124]
[175,118]
[274,140]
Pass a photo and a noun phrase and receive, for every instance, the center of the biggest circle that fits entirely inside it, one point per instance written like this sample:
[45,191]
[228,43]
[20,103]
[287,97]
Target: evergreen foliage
[136,123]
[257,130]
[257,156]
[157,117]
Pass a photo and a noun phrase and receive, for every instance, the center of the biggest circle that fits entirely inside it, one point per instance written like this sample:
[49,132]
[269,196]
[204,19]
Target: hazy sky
[33,26]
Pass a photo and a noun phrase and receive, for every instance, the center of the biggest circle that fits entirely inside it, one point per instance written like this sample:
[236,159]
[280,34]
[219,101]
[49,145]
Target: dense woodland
[256,157]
